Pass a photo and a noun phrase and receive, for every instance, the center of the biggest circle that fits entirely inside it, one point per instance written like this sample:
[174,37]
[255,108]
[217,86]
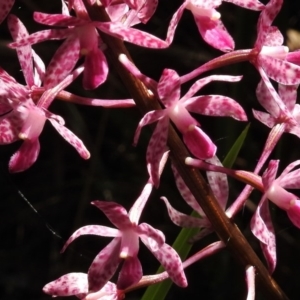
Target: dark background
[61,185]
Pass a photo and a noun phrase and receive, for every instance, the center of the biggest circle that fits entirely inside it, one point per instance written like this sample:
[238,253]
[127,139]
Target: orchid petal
[91,230]
[96,69]
[108,292]
[266,100]
[262,228]
[156,149]
[25,157]
[168,88]
[71,138]
[199,143]
[131,273]
[184,220]
[68,285]
[146,11]
[148,118]
[18,31]
[174,22]
[265,20]
[280,70]
[214,33]
[10,128]
[115,212]
[104,265]
[294,213]
[6,6]
[170,260]
[63,61]
[288,169]
[218,183]
[264,118]
[249,4]
[199,84]
[155,237]
[39,69]
[138,206]
[282,107]
[288,94]
[186,193]
[43,35]
[270,174]
[216,105]
[57,19]
[131,35]
[290,180]
[274,37]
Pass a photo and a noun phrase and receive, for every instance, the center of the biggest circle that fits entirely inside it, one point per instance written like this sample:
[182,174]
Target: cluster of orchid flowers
[24,111]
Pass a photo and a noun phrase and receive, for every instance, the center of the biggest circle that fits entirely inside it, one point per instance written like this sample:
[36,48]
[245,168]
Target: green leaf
[181,244]
[235,149]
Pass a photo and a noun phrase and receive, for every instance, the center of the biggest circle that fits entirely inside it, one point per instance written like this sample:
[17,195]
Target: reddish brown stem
[226,229]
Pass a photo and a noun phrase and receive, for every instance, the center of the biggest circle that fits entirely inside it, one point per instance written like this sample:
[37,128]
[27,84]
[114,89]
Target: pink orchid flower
[178,111]
[275,191]
[219,186]
[272,189]
[125,246]
[208,21]
[82,39]
[269,56]
[21,117]
[76,284]
[290,115]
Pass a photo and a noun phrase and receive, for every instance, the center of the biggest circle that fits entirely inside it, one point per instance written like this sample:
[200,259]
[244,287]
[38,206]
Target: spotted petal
[18,31]
[115,212]
[214,33]
[95,69]
[91,230]
[155,237]
[186,193]
[71,138]
[130,273]
[262,228]
[168,88]
[6,6]
[199,84]
[68,285]
[170,260]
[280,70]
[148,118]
[131,35]
[216,105]
[249,4]
[57,19]
[184,220]
[63,61]
[156,149]
[104,265]
[25,157]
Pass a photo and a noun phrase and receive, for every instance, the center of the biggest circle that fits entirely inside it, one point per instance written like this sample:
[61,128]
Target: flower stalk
[224,227]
